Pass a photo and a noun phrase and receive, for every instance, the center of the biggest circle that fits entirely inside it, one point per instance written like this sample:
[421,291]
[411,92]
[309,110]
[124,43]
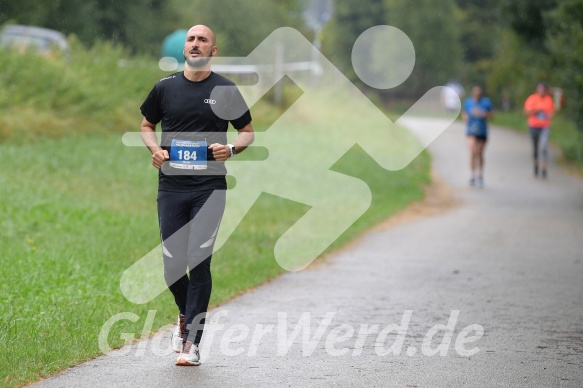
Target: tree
[480,28]
[240,25]
[434,29]
[526,18]
[124,22]
[515,68]
[431,26]
[349,20]
[565,43]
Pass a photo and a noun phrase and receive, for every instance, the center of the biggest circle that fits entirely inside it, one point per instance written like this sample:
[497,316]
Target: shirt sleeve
[239,105]
[151,108]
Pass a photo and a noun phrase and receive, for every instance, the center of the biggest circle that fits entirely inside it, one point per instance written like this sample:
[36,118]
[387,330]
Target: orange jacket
[543,108]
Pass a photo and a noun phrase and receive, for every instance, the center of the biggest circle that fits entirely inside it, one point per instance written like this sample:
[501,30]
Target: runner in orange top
[539,108]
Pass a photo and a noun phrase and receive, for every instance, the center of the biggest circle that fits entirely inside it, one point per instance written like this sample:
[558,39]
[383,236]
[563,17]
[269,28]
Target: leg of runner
[535,135]
[173,215]
[480,145]
[473,158]
[543,150]
[207,209]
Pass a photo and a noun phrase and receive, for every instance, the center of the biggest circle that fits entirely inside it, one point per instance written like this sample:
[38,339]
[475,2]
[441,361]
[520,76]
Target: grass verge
[564,134]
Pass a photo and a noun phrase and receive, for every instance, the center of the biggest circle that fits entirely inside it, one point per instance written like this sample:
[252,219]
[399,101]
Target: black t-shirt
[189,112]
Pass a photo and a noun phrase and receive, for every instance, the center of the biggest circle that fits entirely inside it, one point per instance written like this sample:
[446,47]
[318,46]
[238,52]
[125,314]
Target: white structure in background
[251,73]
[451,95]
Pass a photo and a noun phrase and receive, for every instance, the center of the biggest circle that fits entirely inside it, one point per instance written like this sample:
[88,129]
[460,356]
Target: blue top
[476,111]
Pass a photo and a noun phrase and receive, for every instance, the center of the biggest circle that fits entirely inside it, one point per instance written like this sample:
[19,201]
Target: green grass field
[76,212]
[77,208]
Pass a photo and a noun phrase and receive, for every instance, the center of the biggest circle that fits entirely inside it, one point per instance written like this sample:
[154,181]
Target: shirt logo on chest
[210,101]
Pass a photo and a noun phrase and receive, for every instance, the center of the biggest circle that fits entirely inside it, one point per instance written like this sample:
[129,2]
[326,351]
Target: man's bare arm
[464,116]
[244,139]
[148,133]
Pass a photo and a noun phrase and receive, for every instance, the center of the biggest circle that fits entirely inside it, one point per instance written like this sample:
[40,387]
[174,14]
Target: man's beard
[197,62]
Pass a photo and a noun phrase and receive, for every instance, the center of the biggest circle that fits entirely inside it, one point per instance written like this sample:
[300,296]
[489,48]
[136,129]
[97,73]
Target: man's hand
[220,152]
[148,132]
[159,157]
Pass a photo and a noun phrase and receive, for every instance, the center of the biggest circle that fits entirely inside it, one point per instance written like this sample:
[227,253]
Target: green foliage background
[506,45]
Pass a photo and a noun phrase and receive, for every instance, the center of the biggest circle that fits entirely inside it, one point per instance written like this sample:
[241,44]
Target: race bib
[189,155]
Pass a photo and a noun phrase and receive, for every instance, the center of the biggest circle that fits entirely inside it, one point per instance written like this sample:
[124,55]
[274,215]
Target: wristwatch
[233,150]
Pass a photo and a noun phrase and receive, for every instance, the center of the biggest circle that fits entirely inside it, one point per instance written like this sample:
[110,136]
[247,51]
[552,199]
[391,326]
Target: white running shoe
[189,355]
[178,334]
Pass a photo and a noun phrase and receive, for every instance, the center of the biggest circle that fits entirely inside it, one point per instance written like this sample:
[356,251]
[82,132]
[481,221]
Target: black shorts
[483,138]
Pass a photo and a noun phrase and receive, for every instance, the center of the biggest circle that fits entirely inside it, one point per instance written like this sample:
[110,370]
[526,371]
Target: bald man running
[190,160]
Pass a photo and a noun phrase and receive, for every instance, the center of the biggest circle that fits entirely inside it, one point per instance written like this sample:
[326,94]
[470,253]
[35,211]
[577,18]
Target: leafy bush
[99,89]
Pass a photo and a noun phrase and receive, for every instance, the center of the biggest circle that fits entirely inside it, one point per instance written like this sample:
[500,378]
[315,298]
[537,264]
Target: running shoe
[544,173]
[472,181]
[480,182]
[535,170]
[178,334]
[189,356]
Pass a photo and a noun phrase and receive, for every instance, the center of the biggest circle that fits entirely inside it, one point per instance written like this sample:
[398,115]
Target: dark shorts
[483,138]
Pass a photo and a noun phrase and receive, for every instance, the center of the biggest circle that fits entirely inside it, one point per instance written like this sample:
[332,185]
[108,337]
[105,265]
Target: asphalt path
[485,291]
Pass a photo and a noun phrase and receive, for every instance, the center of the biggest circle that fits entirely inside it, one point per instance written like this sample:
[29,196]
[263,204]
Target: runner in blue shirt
[477,110]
